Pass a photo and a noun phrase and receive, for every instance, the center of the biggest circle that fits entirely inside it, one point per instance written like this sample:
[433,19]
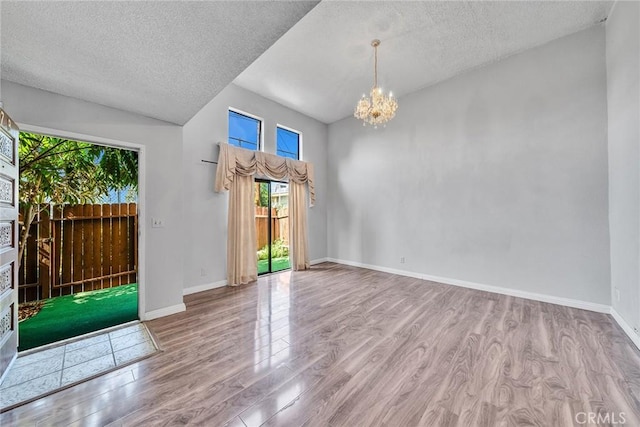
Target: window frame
[250,116]
[287,128]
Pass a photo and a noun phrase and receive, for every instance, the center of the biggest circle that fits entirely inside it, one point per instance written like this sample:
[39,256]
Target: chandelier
[377,109]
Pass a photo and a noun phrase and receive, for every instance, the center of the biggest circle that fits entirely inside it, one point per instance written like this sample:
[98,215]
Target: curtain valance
[238,161]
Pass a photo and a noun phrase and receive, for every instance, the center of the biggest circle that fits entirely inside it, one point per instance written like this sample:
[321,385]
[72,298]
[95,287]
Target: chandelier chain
[375,66]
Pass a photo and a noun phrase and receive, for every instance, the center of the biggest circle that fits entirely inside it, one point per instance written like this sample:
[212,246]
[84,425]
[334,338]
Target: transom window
[244,131]
[288,143]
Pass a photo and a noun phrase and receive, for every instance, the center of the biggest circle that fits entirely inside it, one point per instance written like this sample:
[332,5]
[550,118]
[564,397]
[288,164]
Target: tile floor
[42,372]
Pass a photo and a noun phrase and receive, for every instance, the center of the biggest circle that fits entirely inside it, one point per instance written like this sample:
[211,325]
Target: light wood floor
[343,346]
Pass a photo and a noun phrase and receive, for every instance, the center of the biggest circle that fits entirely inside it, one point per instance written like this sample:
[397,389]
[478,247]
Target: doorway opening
[78,238]
[272,225]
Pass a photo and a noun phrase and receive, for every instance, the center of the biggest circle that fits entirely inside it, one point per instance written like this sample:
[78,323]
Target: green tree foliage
[264,194]
[61,171]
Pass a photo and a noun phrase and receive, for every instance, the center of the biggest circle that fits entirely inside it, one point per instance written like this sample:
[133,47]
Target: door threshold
[45,372]
[287,270]
[77,338]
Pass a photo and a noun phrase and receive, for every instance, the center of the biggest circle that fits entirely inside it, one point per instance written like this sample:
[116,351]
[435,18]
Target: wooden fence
[279,225]
[79,248]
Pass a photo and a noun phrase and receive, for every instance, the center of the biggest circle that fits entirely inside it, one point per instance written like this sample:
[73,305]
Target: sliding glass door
[272,225]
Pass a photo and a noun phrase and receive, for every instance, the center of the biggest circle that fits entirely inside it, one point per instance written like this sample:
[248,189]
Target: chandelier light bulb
[377,108]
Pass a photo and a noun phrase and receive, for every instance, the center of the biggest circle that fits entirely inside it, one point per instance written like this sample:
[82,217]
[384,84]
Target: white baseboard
[377,268]
[205,287]
[208,286]
[626,327]
[162,312]
[568,302]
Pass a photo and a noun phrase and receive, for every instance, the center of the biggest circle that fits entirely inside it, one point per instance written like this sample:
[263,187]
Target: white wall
[205,211]
[163,153]
[497,177]
[623,76]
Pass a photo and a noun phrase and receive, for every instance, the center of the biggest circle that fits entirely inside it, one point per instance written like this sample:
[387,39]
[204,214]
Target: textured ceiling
[160,59]
[325,62]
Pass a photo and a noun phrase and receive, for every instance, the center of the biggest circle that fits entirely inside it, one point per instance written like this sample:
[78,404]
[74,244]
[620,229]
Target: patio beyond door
[78,240]
[272,225]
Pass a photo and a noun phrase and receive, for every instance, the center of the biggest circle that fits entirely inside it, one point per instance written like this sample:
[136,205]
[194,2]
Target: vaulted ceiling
[160,59]
[168,59]
[325,62]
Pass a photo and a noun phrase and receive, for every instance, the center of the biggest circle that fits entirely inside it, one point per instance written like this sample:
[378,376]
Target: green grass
[277,264]
[72,315]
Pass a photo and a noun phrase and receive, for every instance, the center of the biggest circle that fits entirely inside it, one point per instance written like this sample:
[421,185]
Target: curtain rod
[208,161]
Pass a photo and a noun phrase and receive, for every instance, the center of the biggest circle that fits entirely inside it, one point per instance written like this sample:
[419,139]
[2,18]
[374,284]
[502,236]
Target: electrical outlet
[203,272]
[618,294]
[157,223]
[402,260]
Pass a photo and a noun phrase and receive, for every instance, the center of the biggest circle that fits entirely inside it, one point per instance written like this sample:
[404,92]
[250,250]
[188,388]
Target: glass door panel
[272,225]
[262,226]
[279,226]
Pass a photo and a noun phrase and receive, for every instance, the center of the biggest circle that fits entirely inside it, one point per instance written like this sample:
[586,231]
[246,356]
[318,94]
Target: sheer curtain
[236,170]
